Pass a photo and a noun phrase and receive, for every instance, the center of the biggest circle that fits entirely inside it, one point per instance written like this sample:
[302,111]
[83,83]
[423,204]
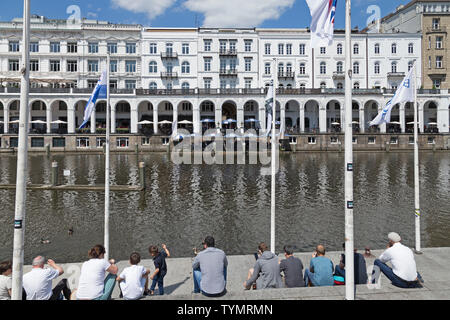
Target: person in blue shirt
[320,272]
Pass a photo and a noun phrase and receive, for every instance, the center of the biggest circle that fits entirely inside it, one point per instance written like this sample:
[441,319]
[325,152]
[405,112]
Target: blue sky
[193,13]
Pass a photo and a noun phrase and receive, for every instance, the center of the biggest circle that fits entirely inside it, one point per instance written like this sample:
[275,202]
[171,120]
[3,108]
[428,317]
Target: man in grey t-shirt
[210,270]
[292,268]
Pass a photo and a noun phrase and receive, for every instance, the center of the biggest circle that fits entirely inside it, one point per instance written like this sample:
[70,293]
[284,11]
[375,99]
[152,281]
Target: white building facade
[194,74]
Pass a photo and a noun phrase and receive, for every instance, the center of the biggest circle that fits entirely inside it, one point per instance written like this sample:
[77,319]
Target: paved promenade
[433,265]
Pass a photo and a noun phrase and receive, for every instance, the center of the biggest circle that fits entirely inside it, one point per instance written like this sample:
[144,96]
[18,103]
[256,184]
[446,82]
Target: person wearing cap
[210,270]
[403,273]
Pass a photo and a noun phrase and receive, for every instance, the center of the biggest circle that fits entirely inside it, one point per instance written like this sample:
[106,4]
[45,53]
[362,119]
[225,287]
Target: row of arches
[56,117]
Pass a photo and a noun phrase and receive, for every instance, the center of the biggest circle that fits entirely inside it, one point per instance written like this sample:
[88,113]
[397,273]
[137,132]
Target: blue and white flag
[174,129]
[269,106]
[99,92]
[323,13]
[404,93]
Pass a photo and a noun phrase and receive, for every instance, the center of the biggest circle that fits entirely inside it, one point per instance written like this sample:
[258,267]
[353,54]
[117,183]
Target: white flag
[269,106]
[99,92]
[404,93]
[322,23]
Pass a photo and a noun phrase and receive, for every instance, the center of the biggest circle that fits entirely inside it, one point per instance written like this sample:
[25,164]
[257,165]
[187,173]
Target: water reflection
[183,203]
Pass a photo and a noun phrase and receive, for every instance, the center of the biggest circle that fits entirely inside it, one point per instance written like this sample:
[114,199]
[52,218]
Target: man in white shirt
[403,273]
[133,281]
[5,280]
[38,282]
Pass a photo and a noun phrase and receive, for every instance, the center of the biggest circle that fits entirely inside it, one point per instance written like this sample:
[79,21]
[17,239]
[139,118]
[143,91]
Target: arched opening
[79,115]
[334,123]
[123,117]
[58,121]
[430,117]
[165,117]
[229,115]
[292,116]
[394,125]
[356,123]
[207,115]
[312,116]
[370,112]
[100,116]
[2,119]
[186,116]
[145,113]
[409,117]
[38,120]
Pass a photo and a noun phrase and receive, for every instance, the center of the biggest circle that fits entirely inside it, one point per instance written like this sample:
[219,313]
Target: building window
[356,85]
[207,45]
[436,24]
[248,83]
[185,86]
[267,68]
[302,49]
[113,66]
[437,83]
[323,50]
[223,84]
[72,47]
[356,68]
[185,67]
[34,65]
[323,85]
[153,86]
[72,66]
[292,140]
[207,83]
[185,48]
[92,84]
[339,48]
[153,48]
[267,48]
[165,141]
[131,47]
[130,66]
[207,64]
[431,140]
[377,68]
[145,141]
[59,142]
[354,140]
[248,64]
[311,140]
[82,142]
[13,65]
[281,49]
[34,46]
[334,140]
[169,48]
[371,140]
[429,62]
[289,48]
[130,84]
[394,48]
[340,86]
[393,140]
[248,45]
[93,47]
[112,48]
[55,65]
[280,68]
[302,68]
[14,46]
[152,67]
[356,49]
[122,142]
[410,48]
[92,65]
[439,64]
[340,67]
[439,42]
[323,68]
[55,47]
[410,140]
[37,142]
[410,65]
[377,48]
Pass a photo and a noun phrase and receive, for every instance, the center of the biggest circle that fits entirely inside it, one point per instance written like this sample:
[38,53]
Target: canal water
[184,203]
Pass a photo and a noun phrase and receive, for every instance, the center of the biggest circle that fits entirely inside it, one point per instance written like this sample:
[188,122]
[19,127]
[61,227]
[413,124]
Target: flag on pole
[269,106]
[98,93]
[174,129]
[323,13]
[404,93]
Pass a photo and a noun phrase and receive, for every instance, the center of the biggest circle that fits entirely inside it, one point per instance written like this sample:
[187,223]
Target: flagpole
[349,263]
[108,106]
[21,192]
[272,200]
[416,166]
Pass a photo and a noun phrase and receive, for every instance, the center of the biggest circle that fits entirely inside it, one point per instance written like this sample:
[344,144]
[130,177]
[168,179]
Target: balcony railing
[286,75]
[440,29]
[49,90]
[396,75]
[227,52]
[229,72]
[169,55]
[170,75]
[338,75]
[168,92]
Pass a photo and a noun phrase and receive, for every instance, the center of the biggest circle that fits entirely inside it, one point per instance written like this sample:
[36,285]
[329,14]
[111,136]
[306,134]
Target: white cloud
[238,13]
[152,8]
[92,15]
